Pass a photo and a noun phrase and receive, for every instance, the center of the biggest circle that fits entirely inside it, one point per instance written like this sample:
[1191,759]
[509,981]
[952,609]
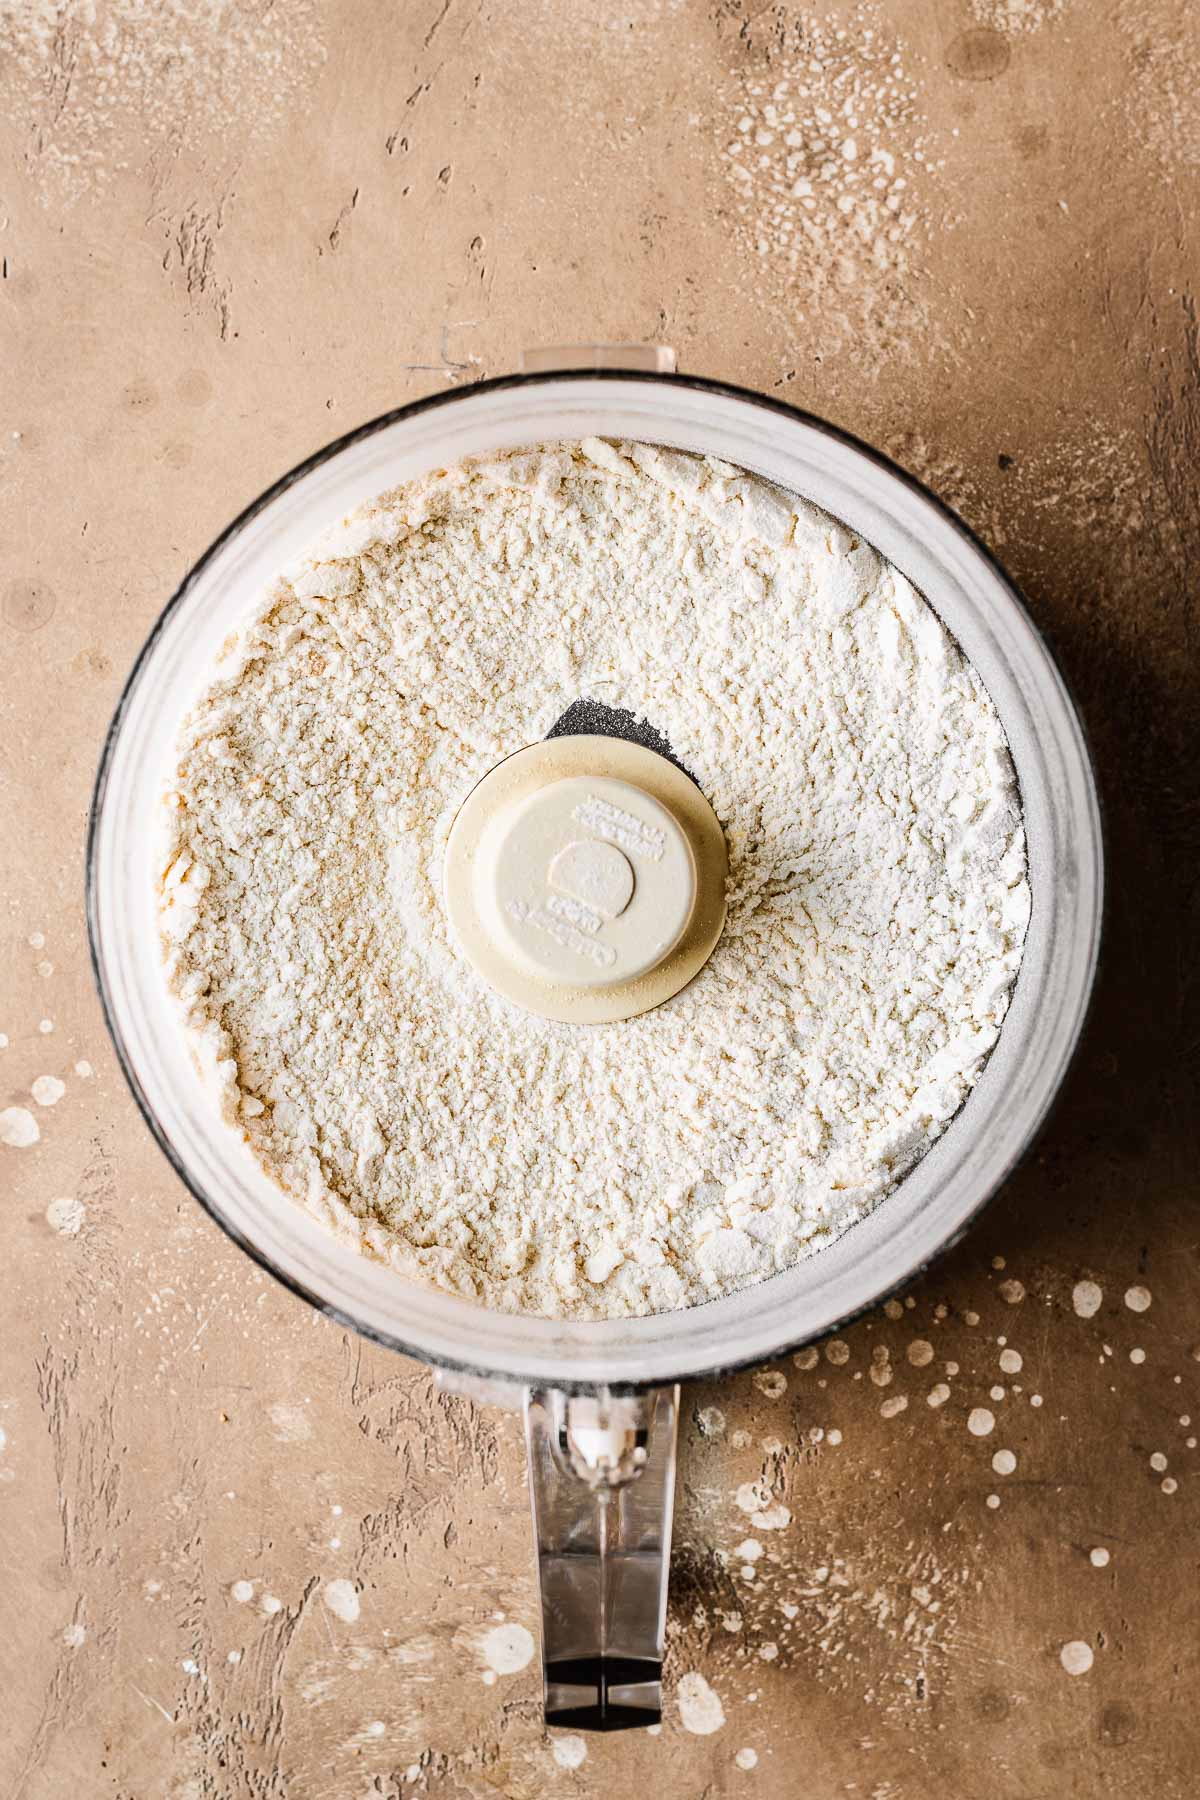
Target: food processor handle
[646,359]
[602,1483]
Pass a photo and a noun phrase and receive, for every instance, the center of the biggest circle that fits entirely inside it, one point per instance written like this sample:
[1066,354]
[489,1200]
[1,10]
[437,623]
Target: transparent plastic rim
[982,610]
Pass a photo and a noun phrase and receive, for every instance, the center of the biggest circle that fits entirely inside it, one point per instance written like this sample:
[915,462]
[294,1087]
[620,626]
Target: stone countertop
[964,230]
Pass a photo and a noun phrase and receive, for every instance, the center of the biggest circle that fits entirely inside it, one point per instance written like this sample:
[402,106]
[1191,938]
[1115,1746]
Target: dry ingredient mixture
[877,899]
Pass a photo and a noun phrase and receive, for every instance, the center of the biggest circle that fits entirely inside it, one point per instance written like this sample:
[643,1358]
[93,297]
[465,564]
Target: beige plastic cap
[585,878]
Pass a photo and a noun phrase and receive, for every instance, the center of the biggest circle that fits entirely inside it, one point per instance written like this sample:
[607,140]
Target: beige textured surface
[227,233]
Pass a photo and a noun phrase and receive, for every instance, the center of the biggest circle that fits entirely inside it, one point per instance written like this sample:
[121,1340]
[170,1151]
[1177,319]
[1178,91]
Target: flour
[877,893]
[95,88]
[832,175]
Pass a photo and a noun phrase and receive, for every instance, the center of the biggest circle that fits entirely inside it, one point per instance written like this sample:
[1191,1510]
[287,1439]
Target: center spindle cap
[585,878]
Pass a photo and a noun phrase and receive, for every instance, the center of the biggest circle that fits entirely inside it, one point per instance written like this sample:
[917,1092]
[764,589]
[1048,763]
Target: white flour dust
[96,87]
[508,1648]
[66,1216]
[830,165]
[18,1128]
[341,1597]
[877,892]
[700,1709]
[1087,1297]
[1015,16]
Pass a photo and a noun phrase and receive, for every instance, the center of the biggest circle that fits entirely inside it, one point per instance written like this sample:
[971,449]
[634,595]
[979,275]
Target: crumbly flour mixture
[877,898]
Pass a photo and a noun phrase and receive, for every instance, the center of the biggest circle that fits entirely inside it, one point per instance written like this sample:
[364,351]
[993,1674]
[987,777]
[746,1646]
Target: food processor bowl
[599,1395]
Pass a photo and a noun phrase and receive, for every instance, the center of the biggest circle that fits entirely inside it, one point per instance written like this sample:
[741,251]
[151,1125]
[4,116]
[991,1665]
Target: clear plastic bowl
[979,607]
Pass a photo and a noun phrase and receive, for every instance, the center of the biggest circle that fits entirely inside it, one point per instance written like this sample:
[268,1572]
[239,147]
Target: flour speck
[292,1423]
[341,1597]
[48,1090]
[1138,1299]
[1087,1299]
[18,1128]
[980,1421]
[66,1216]
[747,1758]
[569,1752]
[700,1709]
[1099,1557]
[507,1648]
[1076,1657]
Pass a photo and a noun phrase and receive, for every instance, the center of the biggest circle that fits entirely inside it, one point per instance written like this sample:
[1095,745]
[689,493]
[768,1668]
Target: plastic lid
[585,878]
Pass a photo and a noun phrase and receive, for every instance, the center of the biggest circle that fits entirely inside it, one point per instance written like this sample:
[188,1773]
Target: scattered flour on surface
[95,85]
[66,1216]
[877,891]
[830,163]
[18,1128]
[1014,16]
[341,1597]
[508,1648]
[292,1424]
[1087,1299]
[700,1709]
[569,1752]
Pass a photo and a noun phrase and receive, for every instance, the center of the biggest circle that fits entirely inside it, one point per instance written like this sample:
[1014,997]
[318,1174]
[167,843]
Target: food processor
[600,1398]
